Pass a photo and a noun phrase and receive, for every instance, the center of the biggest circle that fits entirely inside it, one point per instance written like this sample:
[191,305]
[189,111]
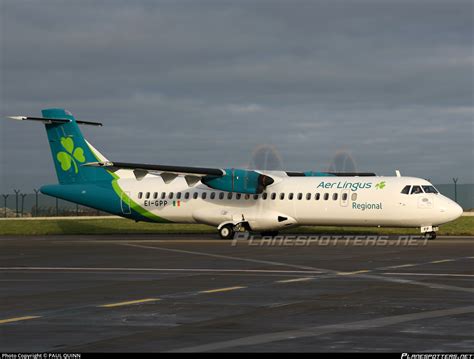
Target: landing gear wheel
[269,234]
[227,231]
[430,235]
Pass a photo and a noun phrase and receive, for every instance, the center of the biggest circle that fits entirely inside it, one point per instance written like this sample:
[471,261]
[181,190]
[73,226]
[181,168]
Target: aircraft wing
[182,170]
[230,179]
[168,173]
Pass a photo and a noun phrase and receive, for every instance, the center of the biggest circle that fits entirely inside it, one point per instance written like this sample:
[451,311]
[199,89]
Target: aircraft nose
[456,210]
[450,210]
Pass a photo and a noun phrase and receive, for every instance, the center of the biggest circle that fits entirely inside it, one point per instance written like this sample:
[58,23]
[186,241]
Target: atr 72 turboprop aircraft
[235,199]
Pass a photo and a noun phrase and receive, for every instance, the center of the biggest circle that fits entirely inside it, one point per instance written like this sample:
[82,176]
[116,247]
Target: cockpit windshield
[429,189]
[418,189]
[406,190]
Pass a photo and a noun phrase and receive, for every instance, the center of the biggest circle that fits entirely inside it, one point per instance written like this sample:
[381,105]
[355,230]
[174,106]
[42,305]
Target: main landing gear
[227,231]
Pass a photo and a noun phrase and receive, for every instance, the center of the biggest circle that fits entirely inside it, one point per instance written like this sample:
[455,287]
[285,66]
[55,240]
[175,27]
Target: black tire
[430,236]
[269,234]
[227,231]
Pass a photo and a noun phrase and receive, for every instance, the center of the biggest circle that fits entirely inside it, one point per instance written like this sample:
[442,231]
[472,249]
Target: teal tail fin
[70,150]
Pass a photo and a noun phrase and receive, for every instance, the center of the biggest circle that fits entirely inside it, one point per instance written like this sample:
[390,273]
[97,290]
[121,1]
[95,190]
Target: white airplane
[235,199]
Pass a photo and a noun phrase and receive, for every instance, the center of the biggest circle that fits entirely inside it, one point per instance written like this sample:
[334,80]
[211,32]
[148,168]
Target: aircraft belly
[213,215]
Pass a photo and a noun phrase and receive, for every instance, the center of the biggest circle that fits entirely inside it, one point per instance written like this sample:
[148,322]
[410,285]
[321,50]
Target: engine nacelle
[240,181]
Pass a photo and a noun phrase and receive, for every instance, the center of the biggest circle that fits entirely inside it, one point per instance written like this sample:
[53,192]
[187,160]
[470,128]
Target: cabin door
[125,202]
[345,198]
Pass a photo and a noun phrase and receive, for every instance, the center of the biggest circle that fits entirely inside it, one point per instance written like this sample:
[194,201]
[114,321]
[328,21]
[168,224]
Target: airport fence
[19,204]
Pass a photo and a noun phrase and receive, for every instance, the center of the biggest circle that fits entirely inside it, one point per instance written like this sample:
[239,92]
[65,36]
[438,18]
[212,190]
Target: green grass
[460,227]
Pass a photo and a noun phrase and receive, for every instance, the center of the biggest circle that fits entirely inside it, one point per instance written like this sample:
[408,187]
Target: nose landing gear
[429,232]
[429,235]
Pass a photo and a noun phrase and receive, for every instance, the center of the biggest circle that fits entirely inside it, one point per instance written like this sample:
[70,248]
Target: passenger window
[317,197]
[255,196]
[290,196]
[354,196]
[308,196]
[300,196]
[416,190]
[163,195]
[238,196]
[155,195]
[229,195]
[147,195]
[178,195]
[195,195]
[171,195]
[334,197]
[264,196]
[140,195]
[282,196]
[213,195]
[344,196]
[204,195]
[326,196]
[186,195]
[221,195]
[406,190]
[273,196]
[247,196]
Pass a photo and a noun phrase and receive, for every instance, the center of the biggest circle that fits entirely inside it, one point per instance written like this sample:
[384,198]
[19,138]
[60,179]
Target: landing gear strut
[227,231]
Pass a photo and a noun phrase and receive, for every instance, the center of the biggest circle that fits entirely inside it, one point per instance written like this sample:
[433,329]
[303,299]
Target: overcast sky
[204,83]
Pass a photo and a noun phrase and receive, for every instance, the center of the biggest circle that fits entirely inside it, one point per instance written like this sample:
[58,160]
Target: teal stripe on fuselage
[99,195]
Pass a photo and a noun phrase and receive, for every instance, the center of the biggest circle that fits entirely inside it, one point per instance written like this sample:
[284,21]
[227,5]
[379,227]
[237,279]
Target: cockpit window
[429,189]
[416,190]
[406,190]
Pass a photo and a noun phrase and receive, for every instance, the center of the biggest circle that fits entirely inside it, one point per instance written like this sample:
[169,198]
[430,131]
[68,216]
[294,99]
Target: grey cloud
[206,82]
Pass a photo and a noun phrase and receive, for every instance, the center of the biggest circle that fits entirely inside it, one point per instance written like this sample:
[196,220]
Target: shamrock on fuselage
[380,185]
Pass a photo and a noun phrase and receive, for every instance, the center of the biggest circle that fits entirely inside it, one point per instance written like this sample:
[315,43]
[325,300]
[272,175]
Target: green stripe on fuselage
[137,212]
[135,206]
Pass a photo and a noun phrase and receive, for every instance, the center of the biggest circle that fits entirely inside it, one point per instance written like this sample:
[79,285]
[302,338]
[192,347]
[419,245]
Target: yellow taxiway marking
[356,272]
[18,319]
[295,280]
[111,305]
[228,289]
[443,261]
[401,266]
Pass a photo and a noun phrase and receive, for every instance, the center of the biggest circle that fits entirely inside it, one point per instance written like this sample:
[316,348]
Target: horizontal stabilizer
[53,120]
